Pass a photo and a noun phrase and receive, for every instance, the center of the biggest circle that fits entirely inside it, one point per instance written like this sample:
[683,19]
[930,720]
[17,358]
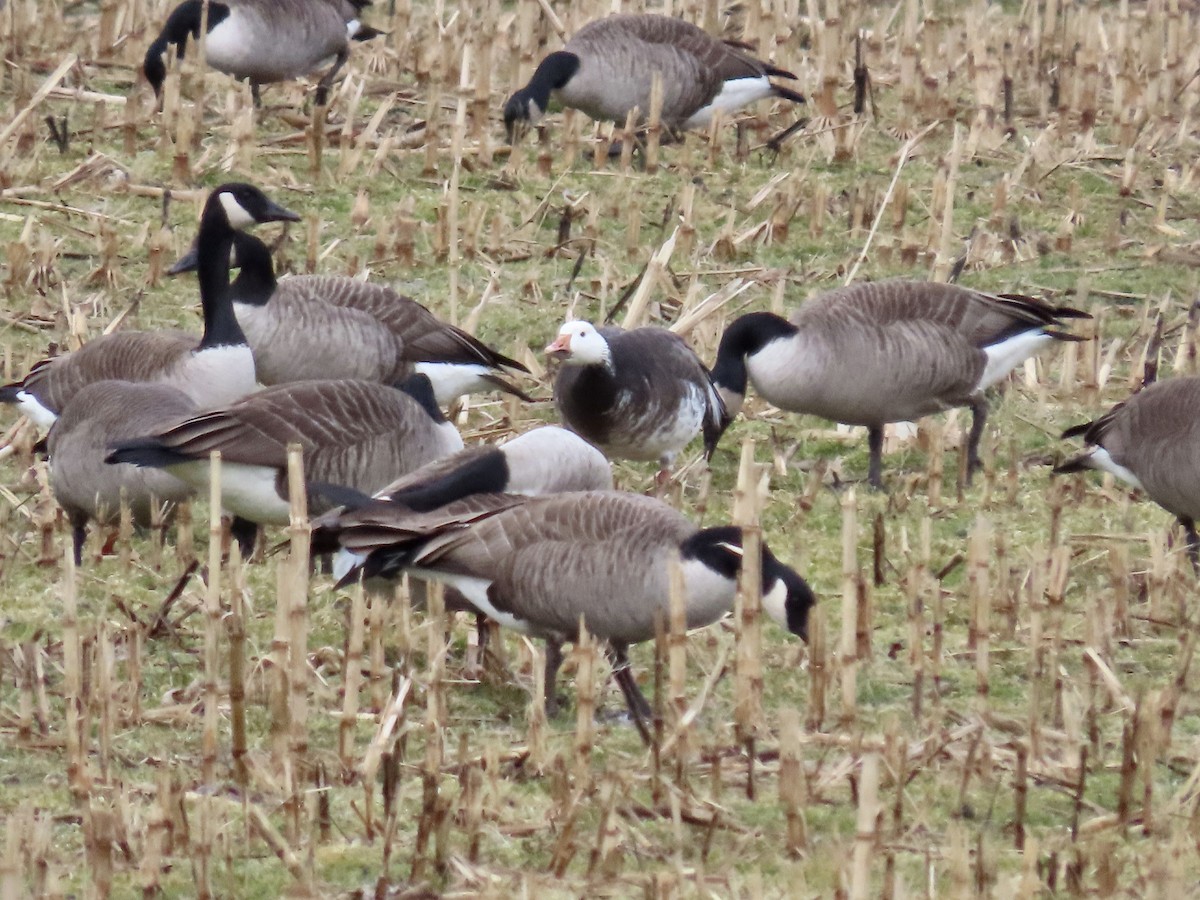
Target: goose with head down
[355,433]
[542,565]
[608,68]
[886,351]
[1151,441]
[100,414]
[263,41]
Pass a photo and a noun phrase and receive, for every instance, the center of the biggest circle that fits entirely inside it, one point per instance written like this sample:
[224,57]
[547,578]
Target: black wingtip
[1077,464]
[144,452]
[788,94]
[1076,430]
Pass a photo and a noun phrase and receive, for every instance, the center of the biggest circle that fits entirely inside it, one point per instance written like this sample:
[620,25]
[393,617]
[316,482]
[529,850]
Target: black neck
[552,73]
[420,388]
[747,335]
[256,282]
[486,473]
[213,246]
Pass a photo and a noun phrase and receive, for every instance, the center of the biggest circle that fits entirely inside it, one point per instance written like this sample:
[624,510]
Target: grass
[1104,217]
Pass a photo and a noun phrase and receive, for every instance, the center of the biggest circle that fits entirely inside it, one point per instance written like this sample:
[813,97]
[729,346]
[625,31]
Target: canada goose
[217,370]
[608,68]
[1151,441]
[356,433]
[264,40]
[883,352]
[545,460]
[539,565]
[100,414]
[640,394]
[309,327]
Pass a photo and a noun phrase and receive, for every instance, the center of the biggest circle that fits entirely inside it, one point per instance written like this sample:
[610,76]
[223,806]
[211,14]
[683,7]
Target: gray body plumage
[97,416]
[355,433]
[276,40]
[884,352]
[322,326]
[1151,440]
[619,56]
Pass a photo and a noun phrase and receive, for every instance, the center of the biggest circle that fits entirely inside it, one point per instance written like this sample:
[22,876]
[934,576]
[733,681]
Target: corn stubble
[996,698]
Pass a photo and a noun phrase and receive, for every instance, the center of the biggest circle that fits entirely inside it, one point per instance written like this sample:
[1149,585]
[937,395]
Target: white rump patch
[452,380]
[237,214]
[476,591]
[346,560]
[353,27]
[735,94]
[1005,356]
[774,602]
[1100,459]
[38,414]
[247,491]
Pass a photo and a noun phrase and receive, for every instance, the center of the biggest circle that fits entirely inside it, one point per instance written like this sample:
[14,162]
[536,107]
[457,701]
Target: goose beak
[276,213]
[561,348]
[185,263]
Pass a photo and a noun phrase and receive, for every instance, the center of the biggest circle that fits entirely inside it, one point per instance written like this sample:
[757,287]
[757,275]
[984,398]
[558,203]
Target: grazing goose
[884,352]
[354,433]
[1152,441]
[308,327]
[539,565]
[545,460]
[264,40]
[608,68]
[216,371]
[640,394]
[100,414]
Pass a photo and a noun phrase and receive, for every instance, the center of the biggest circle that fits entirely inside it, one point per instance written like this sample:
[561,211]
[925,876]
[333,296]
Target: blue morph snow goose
[640,394]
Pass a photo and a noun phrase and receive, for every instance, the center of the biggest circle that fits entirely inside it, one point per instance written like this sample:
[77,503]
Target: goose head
[786,597]
[528,105]
[242,205]
[580,344]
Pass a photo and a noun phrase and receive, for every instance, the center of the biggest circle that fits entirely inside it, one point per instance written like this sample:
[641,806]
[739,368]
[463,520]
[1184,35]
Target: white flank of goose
[214,370]
[884,352]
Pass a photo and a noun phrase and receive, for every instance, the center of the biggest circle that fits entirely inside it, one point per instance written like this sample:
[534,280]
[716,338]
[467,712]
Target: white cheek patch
[38,414]
[1100,459]
[774,602]
[732,548]
[236,213]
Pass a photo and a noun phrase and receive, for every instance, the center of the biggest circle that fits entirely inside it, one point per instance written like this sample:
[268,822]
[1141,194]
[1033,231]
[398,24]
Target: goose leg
[1193,540]
[245,533]
[875,448]
[639,709]
[327,80]
[979,411]
[554,660]
[255,95]
[78,537]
